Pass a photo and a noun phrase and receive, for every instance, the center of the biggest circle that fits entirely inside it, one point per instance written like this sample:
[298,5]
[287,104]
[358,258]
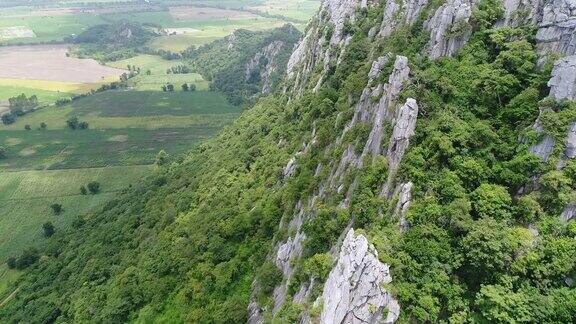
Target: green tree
[83,190]
[185,87]
[3,152]
[487,250]
[56,208]
[48,229]
[43,125]
[72,122]
[93,187]
[489,200]
[27,127]
[318,266]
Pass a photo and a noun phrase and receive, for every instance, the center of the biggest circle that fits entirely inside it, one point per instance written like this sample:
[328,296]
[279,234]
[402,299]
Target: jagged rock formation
[449,27]
[324,41]
[570,151]
[397,13]
[403,129]
[263,64]
[557,28]
[354,290]
[519,12]
[404,200]
[350,287]
[563,81]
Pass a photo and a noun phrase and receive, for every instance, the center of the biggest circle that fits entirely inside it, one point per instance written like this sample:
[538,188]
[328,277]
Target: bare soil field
[50,63]
[202,13]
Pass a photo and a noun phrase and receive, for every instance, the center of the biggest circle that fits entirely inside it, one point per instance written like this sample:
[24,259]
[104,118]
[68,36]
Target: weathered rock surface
[449,28]
[557,28]
[544,148]
[519,12]
[397,13]
[563,81]
[404,126]
[404,200]
[570,151]
[339,11]
[264,64]
[353,292]
[569,212]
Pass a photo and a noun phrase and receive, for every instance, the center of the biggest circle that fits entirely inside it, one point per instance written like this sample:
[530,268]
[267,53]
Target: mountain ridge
[407,149]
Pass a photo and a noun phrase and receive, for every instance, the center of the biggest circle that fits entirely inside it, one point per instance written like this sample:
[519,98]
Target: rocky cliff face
[263,64]
[449,28]
[354,291]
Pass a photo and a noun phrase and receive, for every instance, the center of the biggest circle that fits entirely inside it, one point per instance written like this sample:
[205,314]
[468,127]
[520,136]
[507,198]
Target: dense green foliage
[187,243]
[224,61]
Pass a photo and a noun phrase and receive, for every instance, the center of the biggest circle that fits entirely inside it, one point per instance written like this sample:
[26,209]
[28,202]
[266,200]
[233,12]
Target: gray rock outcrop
[404,126]
[404,200]
[354,290]
[570,151]
[563,81]
[267,55]
[520,12]
[397,13]
[569,212]
[544,148]
[557,28]
[449,28]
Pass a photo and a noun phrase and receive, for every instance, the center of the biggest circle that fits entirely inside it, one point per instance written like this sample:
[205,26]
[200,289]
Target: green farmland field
[67,149]
[152,103]
[26,196]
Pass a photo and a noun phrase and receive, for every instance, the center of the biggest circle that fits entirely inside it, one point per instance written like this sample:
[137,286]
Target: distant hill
[246,63]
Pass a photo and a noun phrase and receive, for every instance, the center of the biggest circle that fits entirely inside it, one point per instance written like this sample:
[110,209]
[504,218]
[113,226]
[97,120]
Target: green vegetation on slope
[225,61]
[186,244]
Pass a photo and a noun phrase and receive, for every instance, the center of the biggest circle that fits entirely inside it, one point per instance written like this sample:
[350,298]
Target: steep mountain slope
[245,64]
[416,166]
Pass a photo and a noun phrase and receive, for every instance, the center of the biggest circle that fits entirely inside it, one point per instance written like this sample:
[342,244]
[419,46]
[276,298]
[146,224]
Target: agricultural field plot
[45,97]
[71,149]
[155,64]
[180,42]
[26,196]
[152,103]
[51,26]
[207,13]
[301,10]
[154,83]
[158,74]
[51,63]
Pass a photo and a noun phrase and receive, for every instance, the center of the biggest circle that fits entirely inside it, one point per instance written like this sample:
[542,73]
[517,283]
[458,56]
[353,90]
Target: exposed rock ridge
[449,28]
[397,13]
[264,64]
[374,111]
[354,290]
[563,81]
[520,12]
[557,28]
[404,200]
[324,42]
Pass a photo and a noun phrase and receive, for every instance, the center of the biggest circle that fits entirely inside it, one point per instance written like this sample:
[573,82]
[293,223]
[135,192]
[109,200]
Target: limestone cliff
[354,291]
